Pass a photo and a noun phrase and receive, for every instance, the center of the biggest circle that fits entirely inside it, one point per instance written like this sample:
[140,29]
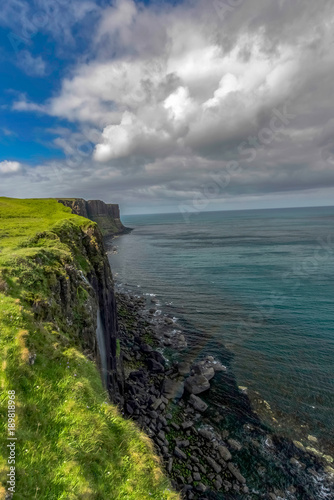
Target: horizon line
[230,210]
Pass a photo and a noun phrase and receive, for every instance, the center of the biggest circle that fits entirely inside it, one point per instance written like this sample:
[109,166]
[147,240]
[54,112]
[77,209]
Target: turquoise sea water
[260,282]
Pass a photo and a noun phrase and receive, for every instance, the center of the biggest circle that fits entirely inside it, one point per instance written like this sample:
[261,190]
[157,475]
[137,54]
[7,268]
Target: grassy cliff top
[22,219]
[71,442]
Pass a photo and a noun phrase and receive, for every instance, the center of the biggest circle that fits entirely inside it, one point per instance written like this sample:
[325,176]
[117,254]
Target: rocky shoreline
[203,461]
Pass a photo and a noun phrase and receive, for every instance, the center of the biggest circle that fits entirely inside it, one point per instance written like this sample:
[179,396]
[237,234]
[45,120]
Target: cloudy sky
[168,106]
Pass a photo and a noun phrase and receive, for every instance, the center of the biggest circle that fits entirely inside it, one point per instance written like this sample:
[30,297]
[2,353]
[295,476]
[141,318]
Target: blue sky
[33,62]
[167,106]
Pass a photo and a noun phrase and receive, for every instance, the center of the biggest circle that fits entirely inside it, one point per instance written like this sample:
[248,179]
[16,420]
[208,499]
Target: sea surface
[257,284]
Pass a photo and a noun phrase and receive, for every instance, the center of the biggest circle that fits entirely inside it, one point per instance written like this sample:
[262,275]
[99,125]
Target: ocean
[255,289]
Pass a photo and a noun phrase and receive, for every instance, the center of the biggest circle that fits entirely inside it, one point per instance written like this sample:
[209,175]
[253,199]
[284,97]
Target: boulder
[146,348]
[197,403]
[217,485]
[161,435]
[201,487]
[197,384]
[206,434]
[213,464]
[210,362]
[183,368]
[158,357]
[156,404]
[173,389]
[187,425]
[179,453]
[224,453]
[203,369]
[155,366]
[170,465]
[181,443]
[236,473]
[234,444]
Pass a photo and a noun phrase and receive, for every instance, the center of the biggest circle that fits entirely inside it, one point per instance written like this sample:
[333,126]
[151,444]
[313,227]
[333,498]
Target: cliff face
[106,215]
[97,301]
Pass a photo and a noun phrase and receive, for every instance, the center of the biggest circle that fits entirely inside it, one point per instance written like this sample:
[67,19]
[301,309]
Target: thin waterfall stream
[102,348]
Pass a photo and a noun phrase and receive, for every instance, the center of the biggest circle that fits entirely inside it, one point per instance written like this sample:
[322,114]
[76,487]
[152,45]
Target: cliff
[59,352]
[106,215]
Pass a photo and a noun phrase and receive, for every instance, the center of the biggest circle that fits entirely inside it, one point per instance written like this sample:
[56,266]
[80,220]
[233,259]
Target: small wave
[324,491]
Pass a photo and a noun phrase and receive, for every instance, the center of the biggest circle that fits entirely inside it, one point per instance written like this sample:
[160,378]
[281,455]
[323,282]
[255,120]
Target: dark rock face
[97,295]
[97,208]
[107,215]
[101,280]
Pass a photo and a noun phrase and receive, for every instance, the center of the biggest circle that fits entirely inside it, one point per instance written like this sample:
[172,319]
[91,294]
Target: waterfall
[102,348]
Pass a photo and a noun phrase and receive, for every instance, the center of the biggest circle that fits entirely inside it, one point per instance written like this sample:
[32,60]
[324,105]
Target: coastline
[232,435]
[223,277]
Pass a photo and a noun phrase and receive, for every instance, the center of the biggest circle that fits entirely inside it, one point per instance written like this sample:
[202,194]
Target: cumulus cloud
[171,95]
[10,168]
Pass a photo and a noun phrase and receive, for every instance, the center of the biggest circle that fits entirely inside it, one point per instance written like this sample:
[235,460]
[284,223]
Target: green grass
[71,442]
[22,219]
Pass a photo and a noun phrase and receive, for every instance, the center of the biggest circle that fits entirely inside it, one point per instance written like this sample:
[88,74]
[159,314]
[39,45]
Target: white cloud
[32,66]
[117,139]
[24,105]
[167,94]
[10,167]
[179,104]
[167,97]
[131,134]
[229,83]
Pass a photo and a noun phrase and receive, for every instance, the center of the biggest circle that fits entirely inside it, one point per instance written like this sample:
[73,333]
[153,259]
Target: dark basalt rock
[146,348]
[173,389]
[179,453]
[224,453]
[154,366]
[183,368]
[158,357]
[236,473]
[197,384]
[198,403]
[213,464]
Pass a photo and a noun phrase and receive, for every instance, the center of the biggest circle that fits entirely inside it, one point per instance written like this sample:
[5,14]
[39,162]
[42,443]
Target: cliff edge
[106,215]
[60,362]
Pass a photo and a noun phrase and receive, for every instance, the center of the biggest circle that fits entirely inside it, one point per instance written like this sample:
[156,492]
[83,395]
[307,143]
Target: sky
[179,106]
